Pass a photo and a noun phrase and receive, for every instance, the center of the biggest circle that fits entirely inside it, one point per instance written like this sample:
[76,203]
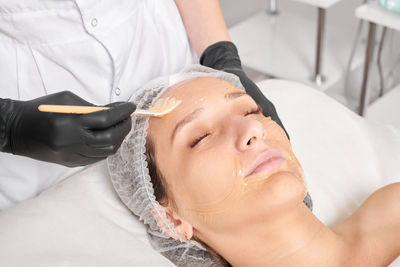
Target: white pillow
[81,222]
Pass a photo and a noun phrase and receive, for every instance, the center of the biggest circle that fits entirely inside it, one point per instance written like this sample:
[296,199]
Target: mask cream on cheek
[225,197]
[229,198]
[233,192]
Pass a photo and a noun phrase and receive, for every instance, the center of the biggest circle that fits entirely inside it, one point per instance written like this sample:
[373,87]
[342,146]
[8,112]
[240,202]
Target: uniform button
[117,91]
[94,22]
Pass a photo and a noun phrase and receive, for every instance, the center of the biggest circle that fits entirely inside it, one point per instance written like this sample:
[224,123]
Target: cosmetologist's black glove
[224,56]
[67,139]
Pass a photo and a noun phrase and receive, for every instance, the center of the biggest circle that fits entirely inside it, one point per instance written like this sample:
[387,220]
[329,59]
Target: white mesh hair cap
[131,180]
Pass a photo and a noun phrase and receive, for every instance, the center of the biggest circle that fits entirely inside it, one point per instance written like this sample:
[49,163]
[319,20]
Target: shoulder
[380,213]
[384,205]
[375,226]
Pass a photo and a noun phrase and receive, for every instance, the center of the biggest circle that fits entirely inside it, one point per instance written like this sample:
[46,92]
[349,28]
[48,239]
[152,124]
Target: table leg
[368,57]
[273,7]
[318,77]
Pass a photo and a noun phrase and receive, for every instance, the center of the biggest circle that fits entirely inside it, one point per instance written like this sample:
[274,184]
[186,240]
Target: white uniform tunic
[102,50]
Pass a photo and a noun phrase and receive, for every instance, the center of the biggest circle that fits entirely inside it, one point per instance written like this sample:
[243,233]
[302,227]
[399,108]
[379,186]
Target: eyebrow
[194,114]
[233,95]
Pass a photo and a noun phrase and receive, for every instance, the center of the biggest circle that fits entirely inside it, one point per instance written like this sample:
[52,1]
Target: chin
[283,191]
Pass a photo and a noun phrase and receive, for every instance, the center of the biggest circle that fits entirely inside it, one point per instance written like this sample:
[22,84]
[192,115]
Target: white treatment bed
[81,222]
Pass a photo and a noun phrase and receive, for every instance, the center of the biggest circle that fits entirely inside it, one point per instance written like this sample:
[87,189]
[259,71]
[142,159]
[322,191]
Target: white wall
[236,10]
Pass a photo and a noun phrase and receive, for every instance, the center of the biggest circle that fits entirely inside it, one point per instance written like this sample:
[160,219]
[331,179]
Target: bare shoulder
[381,211]
[375,226]
[384,202]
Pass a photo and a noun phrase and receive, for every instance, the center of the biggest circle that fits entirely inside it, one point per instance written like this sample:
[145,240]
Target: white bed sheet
[81,222]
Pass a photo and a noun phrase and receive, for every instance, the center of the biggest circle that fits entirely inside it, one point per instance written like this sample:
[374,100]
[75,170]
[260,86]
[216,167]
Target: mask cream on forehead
[208,181]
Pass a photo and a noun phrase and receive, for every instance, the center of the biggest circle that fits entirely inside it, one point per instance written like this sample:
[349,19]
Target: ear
[183,228]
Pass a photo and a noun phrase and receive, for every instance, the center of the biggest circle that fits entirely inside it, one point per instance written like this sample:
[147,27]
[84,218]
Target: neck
[296,239]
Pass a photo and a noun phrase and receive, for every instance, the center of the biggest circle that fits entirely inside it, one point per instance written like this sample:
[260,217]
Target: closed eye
[257,110]
[198,140]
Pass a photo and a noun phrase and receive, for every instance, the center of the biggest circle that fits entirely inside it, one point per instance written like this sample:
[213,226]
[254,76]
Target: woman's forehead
[197,93]
[198,87]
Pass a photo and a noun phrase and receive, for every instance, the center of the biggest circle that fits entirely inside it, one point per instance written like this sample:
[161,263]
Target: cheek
[206,182]
[277,138]
[276,135]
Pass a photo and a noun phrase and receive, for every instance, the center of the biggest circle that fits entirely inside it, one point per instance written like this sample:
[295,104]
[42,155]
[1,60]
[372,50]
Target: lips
[266,162]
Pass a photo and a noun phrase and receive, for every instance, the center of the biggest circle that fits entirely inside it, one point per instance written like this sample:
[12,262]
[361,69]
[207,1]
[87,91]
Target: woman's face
[226,166]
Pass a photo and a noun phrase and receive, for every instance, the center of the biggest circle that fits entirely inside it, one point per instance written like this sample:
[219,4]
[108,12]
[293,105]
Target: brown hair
[156,177]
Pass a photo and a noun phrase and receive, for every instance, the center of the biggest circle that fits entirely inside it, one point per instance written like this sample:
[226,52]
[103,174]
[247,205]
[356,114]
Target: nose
[250,133]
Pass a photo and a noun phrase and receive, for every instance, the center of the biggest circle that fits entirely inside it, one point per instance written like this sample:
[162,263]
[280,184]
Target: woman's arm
[204,23]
